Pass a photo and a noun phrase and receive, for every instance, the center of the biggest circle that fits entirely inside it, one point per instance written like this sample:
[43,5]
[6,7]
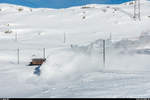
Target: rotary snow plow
[37,62]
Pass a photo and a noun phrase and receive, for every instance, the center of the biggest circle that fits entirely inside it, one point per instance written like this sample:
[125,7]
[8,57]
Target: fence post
[44,53]
[18,51]
[104,53]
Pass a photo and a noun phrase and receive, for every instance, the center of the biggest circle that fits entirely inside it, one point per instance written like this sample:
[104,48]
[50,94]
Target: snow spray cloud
[65,65]
[73,63]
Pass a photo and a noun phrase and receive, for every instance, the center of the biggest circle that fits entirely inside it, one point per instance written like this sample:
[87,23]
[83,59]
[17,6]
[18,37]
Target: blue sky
[59,3]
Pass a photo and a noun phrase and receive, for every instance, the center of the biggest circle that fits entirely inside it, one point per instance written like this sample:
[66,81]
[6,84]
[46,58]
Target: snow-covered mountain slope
[75,68]
[60,3]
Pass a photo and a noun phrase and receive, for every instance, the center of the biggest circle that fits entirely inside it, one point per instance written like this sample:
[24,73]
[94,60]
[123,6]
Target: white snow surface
[75,68]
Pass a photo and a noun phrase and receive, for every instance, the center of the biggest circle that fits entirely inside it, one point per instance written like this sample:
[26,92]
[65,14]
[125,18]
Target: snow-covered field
[75,68]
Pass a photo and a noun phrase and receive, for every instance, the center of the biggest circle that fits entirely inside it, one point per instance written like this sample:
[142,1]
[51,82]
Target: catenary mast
[137,13]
